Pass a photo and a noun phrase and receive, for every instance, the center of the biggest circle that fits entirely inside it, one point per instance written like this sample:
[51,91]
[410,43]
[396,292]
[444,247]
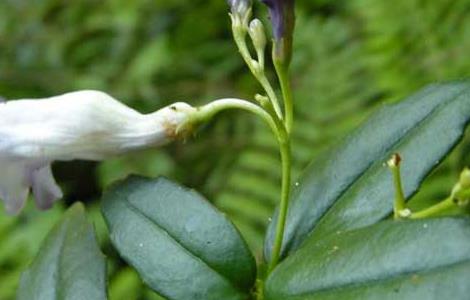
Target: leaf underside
[181,246]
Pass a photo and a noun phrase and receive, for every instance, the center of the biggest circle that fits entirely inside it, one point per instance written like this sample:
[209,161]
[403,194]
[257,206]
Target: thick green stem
[283,75]
[435,209]
[286,157]
[259,293]
[285,150]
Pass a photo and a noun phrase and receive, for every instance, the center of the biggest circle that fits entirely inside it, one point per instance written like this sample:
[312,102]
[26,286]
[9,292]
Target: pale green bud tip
[257,34]
[465,178]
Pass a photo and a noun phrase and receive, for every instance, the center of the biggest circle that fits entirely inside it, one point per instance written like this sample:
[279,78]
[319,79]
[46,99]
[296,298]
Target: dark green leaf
[426,259]
[69,264]
[348,187]
[182,247]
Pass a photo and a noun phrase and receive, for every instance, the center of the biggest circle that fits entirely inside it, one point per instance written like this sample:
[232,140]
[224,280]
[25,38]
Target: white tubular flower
[88,125]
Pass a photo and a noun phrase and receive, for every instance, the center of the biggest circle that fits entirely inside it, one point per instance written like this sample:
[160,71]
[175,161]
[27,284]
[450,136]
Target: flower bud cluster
[241,25]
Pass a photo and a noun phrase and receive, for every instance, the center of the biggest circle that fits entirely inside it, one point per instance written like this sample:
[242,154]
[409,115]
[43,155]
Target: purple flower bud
[282,17]
[283,21]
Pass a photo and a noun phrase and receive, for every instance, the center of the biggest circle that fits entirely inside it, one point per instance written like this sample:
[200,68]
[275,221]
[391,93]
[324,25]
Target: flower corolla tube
[86,125]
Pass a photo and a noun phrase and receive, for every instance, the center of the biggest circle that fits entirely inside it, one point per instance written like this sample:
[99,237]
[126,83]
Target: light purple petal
[282,17]
[45,189]
[18,176]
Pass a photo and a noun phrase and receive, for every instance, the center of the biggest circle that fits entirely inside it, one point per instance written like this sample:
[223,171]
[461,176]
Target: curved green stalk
[209,110]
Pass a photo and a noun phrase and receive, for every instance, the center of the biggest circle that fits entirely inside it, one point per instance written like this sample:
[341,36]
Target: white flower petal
[89,125]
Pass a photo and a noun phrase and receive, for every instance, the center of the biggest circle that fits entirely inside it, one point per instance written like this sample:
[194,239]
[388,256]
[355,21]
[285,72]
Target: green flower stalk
[282,17]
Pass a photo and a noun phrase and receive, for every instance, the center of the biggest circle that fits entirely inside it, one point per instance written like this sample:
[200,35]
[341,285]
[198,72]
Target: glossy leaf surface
[182,247]
[425,259]
[349,187]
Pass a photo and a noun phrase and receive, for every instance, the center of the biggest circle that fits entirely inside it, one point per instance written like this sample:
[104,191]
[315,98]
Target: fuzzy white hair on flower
[88,125]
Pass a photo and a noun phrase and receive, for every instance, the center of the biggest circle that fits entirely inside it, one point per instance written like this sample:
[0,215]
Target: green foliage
[20,240]
[349,187]
[344,65]
[403,260]
[69,264]
[349,56]
[181,246]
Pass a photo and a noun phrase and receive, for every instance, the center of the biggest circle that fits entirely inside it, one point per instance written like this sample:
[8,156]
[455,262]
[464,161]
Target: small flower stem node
[405,213]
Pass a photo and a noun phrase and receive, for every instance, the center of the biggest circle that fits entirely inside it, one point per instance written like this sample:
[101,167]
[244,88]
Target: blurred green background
[350,56]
